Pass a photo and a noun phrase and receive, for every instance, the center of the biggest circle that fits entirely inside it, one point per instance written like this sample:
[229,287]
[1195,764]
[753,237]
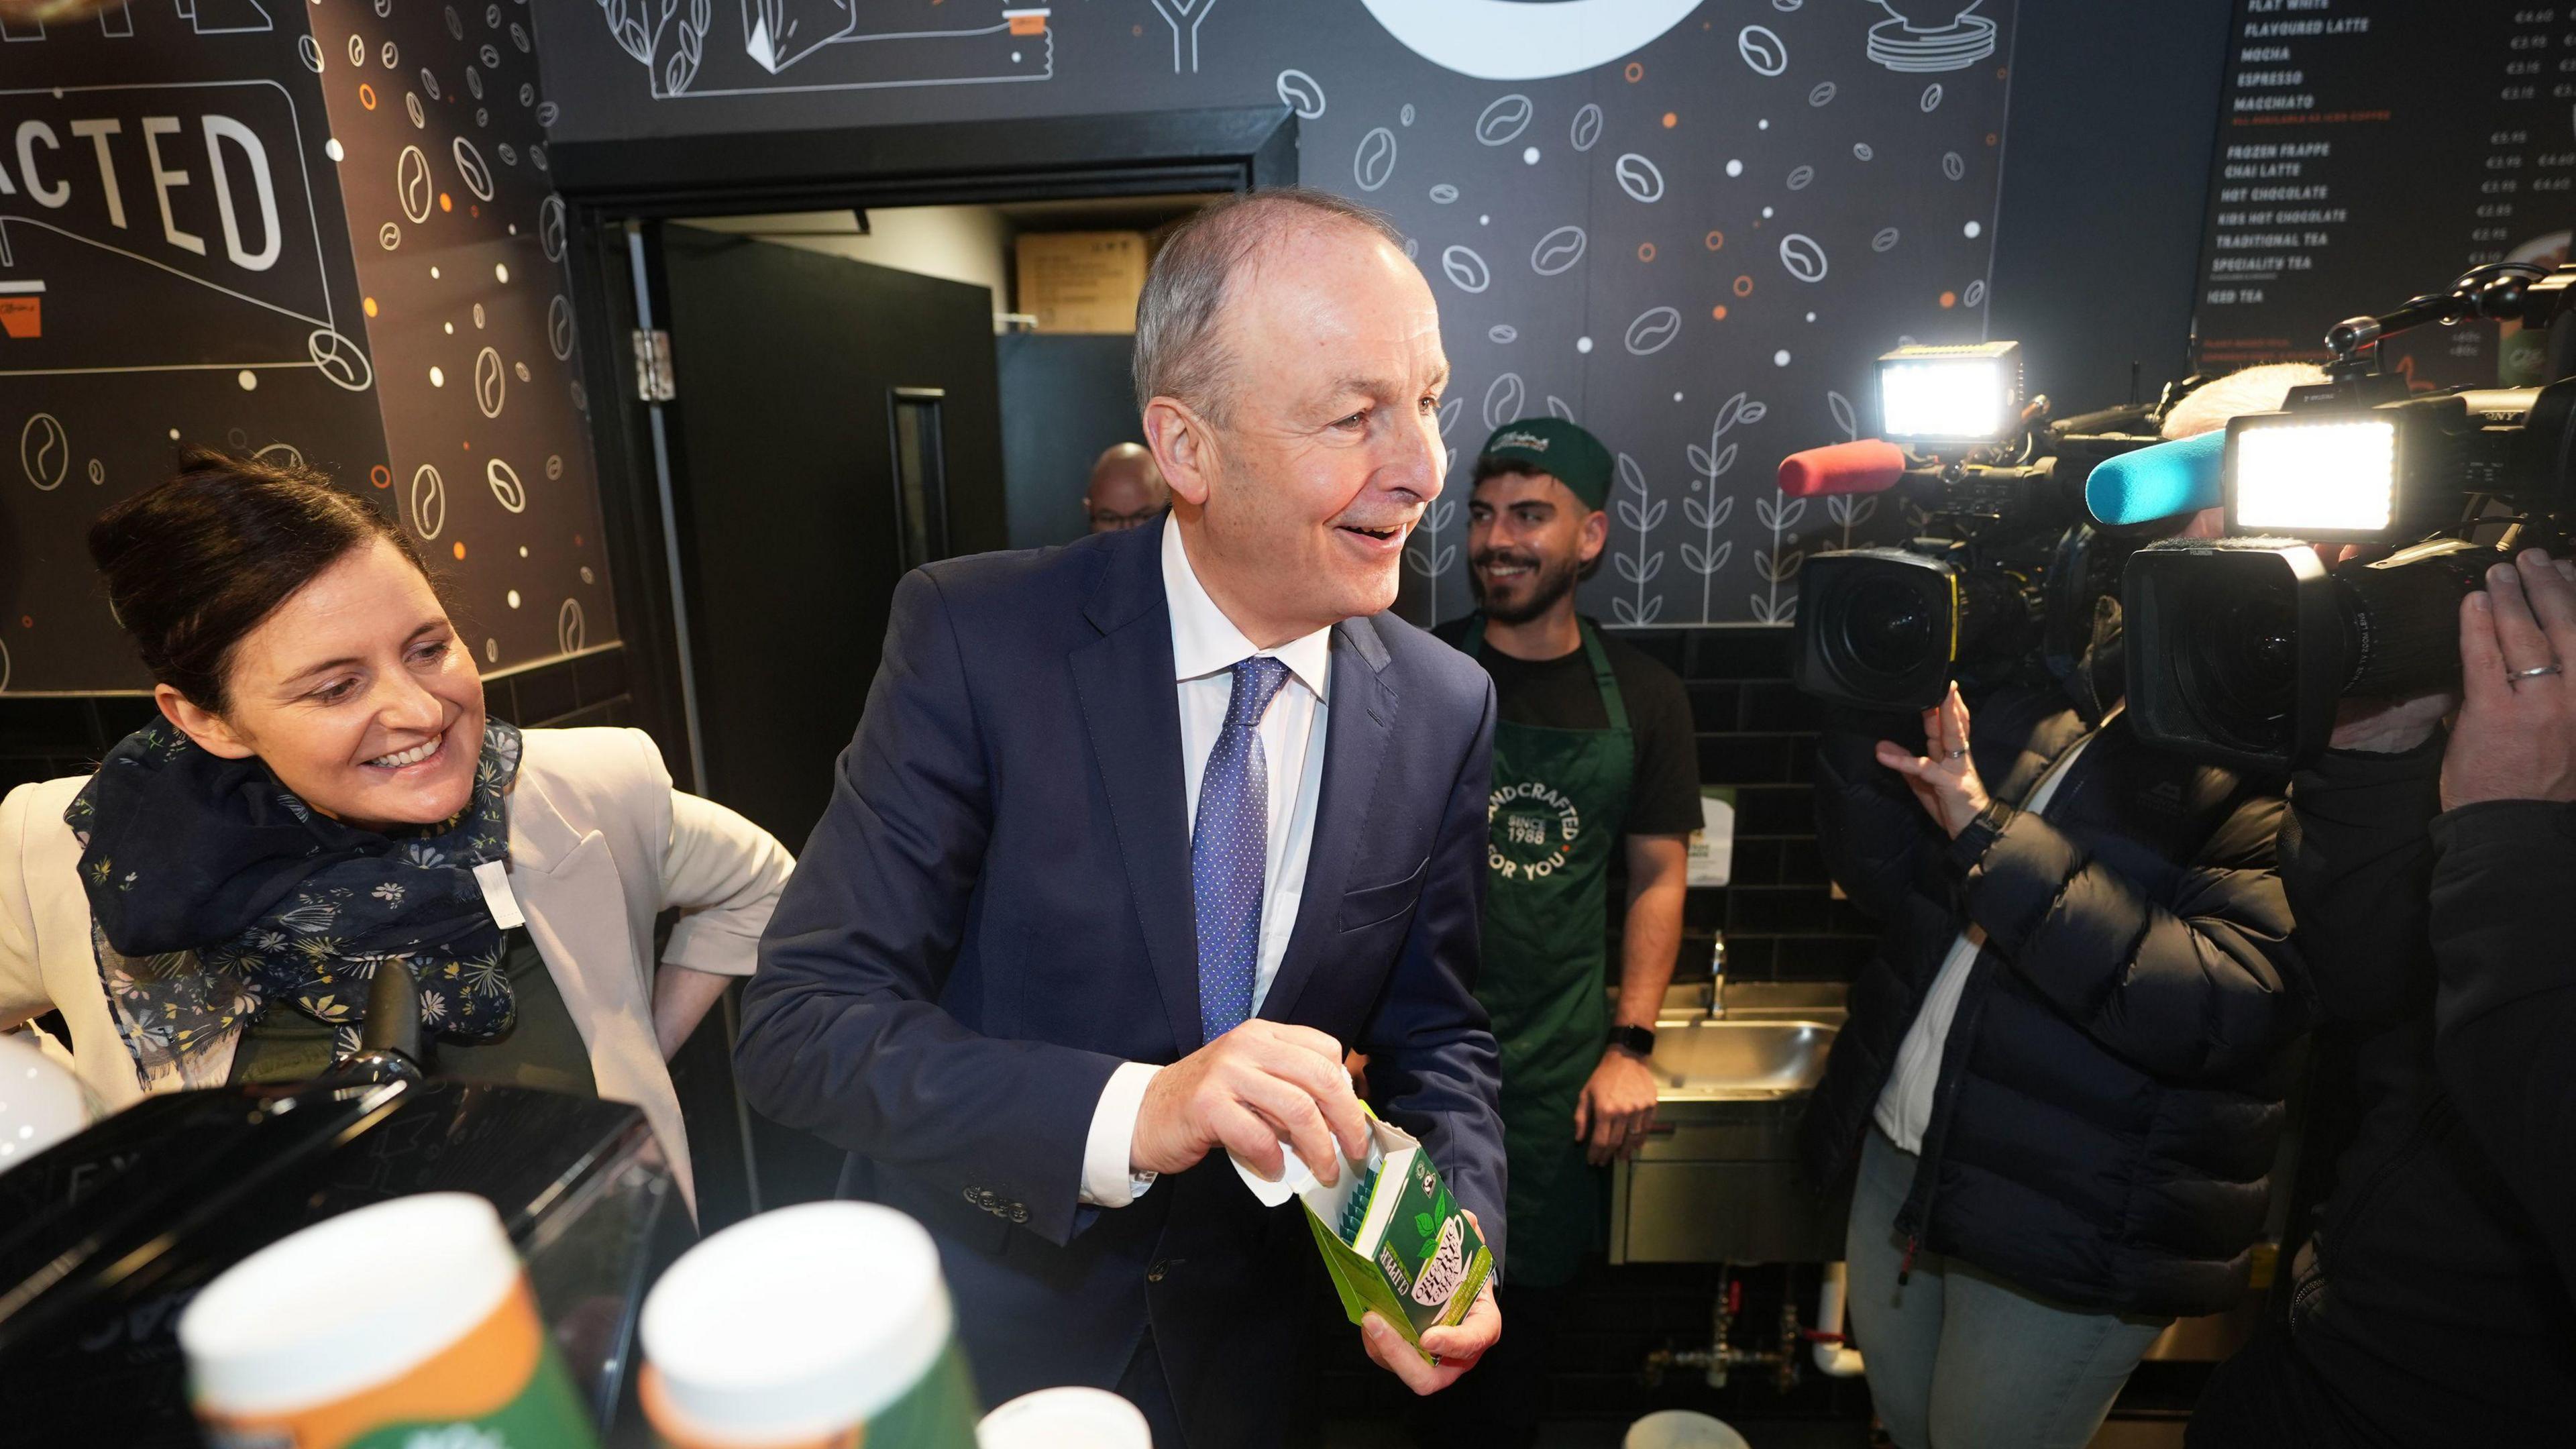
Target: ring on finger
[1958,754]
[2535,672]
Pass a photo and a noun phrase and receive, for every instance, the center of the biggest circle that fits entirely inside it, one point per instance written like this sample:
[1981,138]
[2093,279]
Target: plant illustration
[1642,514]
[638,26]
[1707,510]
[1849,510]
[1777,564]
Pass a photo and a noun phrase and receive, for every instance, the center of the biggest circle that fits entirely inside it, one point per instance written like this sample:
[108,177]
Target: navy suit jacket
[995,912]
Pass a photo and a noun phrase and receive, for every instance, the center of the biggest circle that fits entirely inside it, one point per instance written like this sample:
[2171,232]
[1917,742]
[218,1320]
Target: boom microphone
[2179,476]
[1867,466]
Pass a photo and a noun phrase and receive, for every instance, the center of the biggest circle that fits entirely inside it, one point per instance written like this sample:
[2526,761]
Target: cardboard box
[1393,1238]
[1082,281]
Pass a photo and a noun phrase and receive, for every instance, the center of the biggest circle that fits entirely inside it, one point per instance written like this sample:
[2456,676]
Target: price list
[2371,150]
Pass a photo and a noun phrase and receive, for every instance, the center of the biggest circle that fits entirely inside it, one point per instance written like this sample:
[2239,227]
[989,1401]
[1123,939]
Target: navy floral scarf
[216,893]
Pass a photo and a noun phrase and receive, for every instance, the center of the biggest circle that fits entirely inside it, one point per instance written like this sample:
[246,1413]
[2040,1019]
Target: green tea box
[1392,1236]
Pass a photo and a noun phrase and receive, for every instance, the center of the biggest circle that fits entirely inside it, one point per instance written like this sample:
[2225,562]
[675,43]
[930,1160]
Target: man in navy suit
[1139,835]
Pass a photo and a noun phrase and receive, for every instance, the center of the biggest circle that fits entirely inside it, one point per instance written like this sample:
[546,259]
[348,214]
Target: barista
[1593,755]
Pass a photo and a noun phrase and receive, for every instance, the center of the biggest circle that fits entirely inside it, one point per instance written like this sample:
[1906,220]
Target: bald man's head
[1126,490]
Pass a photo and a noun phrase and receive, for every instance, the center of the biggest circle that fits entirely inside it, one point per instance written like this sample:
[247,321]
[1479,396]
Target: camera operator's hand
[2516,739]
[1945,781]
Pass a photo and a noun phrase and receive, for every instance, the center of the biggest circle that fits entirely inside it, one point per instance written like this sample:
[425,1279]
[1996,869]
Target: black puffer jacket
[2110,1091]
[2440,1300]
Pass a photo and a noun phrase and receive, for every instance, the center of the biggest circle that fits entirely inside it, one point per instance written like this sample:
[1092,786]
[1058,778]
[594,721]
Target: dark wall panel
[1687,225]
[319,231]
[2106,159]
[143,313]
[460,250]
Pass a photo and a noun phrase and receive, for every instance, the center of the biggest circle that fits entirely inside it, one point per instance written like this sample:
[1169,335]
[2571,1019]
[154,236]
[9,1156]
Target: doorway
[840,376]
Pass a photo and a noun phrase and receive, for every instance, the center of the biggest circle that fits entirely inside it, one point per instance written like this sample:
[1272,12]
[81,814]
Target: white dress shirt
[1905,1105]
[1205,648]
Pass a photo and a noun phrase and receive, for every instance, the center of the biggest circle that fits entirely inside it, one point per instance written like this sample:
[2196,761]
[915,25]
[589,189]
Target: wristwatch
[1636,1039]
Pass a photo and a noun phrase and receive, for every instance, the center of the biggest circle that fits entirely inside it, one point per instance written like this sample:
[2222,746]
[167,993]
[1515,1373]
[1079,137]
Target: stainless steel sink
[1717,1180]
[1739,1060]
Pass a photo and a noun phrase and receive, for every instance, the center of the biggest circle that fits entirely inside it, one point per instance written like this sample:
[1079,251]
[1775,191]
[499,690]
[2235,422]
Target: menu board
[2372,150]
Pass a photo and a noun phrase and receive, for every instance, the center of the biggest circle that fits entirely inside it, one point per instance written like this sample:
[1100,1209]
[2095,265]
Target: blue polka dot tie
[1230,851]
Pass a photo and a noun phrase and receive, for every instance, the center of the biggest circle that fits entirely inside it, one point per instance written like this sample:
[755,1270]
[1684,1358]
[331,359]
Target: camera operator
[2062,1076]
[2431,881]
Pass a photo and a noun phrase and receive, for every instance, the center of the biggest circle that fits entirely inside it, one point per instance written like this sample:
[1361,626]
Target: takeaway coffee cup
[820,1326]
[406,1321]
[1067,1418]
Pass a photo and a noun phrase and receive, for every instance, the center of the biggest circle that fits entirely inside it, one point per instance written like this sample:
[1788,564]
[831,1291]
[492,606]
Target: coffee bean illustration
[1299,93]
[1639,178]
[428,501]
[469,164]
[1504,120]
[1557,251]
[1462,266]
[1653,331]
[45,451]
[505,485]
[1803,257]
[491,385]
[1374,164]
[1587,128]
[413,186]
[1762,50]
[337,358]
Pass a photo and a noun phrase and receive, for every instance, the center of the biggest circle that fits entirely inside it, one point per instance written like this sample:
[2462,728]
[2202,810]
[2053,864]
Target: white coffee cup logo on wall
[1514,40]
[1929,36]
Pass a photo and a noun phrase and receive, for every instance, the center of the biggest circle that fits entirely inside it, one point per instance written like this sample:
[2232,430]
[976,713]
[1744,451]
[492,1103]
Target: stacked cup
[820,1326]
[408,1319]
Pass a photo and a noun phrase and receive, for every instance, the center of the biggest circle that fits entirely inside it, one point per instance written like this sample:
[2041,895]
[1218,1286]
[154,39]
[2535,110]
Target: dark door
[835,424]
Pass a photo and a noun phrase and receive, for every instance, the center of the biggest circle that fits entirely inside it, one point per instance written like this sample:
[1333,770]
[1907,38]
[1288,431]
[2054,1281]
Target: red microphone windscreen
[1870,465]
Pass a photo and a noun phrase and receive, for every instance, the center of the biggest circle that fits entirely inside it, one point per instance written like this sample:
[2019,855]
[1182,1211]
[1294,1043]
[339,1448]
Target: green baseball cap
[1557,448]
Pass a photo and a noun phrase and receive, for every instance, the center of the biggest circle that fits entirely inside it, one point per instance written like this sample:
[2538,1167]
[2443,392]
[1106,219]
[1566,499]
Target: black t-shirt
[1663,798]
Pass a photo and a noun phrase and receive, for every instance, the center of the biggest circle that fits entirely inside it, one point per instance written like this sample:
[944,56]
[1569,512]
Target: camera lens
[1889,626]
[2239,673]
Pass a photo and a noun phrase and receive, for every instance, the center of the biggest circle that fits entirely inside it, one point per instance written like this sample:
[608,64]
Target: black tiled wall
[42,738]
[1757,733]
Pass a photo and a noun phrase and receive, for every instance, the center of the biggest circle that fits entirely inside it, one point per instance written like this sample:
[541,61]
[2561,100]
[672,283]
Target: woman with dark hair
[324,793]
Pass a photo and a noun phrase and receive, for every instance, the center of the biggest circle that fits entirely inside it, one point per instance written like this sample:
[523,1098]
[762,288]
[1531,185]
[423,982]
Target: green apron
[1559,799]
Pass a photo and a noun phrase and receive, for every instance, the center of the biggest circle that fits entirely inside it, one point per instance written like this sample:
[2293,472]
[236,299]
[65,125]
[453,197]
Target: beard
[1540,589]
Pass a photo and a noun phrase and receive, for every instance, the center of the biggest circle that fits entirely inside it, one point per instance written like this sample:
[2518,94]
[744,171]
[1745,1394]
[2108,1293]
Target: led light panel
[2298,478]
[1960,395]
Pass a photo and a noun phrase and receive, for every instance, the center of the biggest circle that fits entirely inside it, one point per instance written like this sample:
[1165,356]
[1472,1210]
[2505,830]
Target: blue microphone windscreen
[2181,476]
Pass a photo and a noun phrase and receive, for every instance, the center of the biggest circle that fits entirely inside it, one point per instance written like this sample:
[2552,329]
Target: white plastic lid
[1067,1418]
[41,1103]
[347,1303]
[797,1323]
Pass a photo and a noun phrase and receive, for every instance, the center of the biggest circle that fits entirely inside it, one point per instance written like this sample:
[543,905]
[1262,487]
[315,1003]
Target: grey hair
[1178,353]
[2254,390]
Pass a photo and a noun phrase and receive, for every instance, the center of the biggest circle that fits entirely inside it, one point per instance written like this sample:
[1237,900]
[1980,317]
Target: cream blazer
[600,845]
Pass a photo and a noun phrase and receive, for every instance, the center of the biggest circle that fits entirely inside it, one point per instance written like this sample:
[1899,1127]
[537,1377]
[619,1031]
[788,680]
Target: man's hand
[1453,1350]
[1616,1109]
[1244,1091]
[2516,739]
[1945,782]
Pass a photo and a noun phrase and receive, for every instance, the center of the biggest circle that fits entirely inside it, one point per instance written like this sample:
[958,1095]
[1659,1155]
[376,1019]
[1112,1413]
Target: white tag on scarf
[494,877]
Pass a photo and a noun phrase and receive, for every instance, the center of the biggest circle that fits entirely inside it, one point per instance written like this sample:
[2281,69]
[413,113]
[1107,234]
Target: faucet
[1716,1002]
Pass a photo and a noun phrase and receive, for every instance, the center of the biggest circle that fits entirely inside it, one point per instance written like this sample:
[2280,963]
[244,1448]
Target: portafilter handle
[389,1043]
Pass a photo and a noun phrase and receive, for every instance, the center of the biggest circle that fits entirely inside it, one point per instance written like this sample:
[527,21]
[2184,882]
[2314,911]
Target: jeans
[1960,1359]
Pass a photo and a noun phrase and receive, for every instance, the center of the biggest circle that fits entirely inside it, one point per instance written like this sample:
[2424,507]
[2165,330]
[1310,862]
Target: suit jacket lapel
[1362,719]
[1132,711]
